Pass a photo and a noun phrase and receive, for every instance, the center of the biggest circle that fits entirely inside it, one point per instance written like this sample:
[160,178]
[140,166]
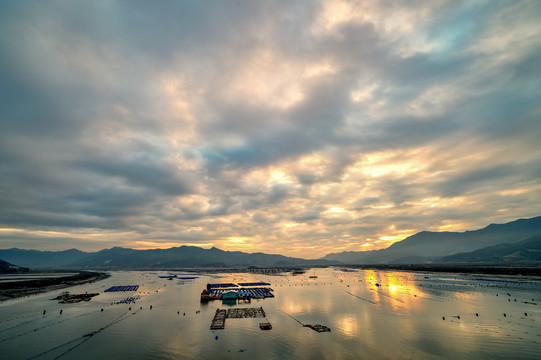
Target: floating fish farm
[219,318]
[221,286]
[128,300]
[253,292]
[123,288]
[254,284]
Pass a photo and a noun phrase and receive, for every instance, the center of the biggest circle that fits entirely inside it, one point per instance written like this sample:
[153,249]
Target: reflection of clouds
[348,326]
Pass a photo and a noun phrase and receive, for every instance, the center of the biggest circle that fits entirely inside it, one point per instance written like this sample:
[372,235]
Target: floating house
[229,295]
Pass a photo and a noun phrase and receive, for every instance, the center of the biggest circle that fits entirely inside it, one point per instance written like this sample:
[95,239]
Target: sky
[290,127]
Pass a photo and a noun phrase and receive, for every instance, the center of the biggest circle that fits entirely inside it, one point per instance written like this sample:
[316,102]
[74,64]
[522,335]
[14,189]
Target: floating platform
[67,298]
[251,292]
[240,313]
[128,300]
[221,286]
[254,284]
[218,322]
[318,328]
[123,288]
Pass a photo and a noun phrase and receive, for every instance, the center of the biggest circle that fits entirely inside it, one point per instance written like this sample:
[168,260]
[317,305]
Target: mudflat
[26,287]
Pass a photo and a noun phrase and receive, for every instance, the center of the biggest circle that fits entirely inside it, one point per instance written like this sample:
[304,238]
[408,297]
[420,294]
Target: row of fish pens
[254,292]
[232,285]
[123,288]
[218,322]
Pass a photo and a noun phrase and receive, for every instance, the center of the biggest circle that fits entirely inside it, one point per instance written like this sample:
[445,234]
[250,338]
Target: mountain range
[429,246]
[176,257]
[517,241]
[528,250]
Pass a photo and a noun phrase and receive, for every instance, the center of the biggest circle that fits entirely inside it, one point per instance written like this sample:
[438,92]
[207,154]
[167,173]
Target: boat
[265,326]
[205,296]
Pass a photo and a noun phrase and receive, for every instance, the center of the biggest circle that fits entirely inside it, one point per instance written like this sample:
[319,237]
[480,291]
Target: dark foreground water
[400,319]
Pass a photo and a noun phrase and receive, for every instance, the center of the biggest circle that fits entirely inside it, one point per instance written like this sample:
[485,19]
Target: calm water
[400,319]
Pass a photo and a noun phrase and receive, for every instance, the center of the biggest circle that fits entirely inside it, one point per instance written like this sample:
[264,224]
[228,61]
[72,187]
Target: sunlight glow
[394,238]
[348,326]
[319,69]
[278,176]
[267,79]
[144,245]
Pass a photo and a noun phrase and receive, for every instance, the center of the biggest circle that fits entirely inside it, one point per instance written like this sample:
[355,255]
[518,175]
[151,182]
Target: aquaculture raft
[219,320]
[317,327]
[123,288]
[221,286]
[67,298]
[237,313]
[253,292]
[254,284]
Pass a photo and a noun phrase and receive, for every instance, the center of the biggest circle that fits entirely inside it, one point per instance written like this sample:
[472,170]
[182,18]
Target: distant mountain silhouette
[421,247]
[122,258]
[42,259]
[528,250]
[184,256]
[431,246]
[7,268]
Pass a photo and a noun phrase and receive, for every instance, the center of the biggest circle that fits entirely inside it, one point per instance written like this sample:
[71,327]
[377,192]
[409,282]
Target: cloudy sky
[291,127]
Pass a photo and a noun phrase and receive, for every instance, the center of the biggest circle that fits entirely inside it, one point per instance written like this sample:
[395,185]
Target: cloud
[313,126]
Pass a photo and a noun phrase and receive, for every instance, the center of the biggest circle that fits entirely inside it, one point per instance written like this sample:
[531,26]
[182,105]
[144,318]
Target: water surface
[372,315]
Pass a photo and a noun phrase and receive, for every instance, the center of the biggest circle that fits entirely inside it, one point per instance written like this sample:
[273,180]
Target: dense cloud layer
[291,127]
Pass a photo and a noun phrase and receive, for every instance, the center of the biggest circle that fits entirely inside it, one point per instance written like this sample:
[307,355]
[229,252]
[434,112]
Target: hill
[122,258]
[42,259]
[423,247]
[7,268]
[429,246]
[525,251]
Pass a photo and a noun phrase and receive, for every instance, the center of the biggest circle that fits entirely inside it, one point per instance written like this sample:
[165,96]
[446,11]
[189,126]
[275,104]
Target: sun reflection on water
[403,291]
[348,326]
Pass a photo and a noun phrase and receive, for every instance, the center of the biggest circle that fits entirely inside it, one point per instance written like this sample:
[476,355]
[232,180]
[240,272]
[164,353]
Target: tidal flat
[372,314]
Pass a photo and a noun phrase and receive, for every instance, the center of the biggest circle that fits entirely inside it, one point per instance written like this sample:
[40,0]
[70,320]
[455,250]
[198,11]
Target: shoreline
[17,289]
[481,269]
